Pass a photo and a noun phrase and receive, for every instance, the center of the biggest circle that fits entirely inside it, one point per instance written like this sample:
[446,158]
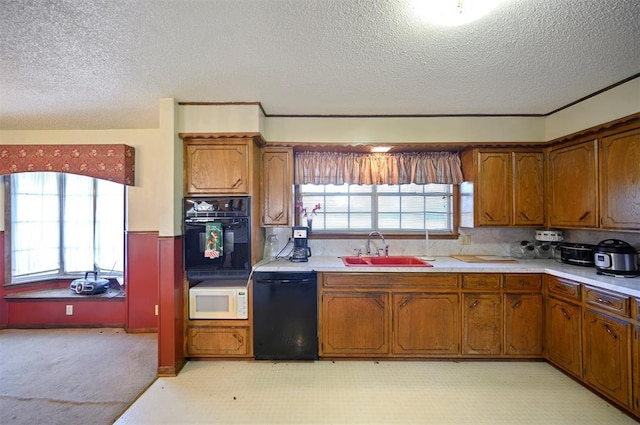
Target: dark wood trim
[612,86]
[212,136]
[225,103]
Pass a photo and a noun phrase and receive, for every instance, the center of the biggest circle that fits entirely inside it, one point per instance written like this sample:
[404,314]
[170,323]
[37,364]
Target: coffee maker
[301,250]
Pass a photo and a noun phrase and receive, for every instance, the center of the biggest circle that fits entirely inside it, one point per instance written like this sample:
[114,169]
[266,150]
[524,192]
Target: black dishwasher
[285,315]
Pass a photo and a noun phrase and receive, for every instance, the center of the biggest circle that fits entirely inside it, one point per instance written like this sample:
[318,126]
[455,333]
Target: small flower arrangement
[303,210]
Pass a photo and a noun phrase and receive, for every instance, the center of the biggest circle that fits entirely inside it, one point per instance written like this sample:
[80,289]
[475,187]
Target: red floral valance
[108,162]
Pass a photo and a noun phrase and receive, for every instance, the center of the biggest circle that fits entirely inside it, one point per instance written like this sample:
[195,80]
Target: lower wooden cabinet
[636,370]
[607,356]
[218,341]
[564,335]
[426,324]
[523,325]
[355,324]
[482,324]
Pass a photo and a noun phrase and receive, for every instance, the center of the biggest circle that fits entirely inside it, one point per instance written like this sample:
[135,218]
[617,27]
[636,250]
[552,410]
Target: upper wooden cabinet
[505,188]
[573,186]
[619,160]
[277,181]
[218,167]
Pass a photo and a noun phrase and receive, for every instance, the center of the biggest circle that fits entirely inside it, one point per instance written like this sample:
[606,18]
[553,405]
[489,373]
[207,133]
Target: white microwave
[219,300]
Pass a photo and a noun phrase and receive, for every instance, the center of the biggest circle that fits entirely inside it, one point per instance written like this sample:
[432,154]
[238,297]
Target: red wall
[135,312]
[142,281]
[171,297]
[34,313]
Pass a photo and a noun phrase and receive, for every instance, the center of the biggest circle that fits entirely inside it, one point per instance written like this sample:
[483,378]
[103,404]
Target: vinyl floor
[370,392]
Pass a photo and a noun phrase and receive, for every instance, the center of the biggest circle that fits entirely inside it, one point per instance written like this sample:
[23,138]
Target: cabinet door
[277,180]
[217,168]
[218,341]
[563,336]
[607,359]
[426,324]
[528,189]
[573,182]
[636,370]
[355,323]
[493,192]
[620,181]
[482,324]
[523,320]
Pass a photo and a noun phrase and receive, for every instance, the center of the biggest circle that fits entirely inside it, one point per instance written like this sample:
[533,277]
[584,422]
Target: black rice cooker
[616,258]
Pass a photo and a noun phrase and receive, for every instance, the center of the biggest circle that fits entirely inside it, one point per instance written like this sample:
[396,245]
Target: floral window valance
[377,168]
[108,162]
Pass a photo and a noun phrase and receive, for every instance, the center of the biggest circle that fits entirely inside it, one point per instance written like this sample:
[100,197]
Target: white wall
[142,198]
[218,118]
[613,104]
[404,130]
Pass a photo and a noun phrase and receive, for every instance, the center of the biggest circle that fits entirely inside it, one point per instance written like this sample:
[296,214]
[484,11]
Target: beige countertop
[586,275]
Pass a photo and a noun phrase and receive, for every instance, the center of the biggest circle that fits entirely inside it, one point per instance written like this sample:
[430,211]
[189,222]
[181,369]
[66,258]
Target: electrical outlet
[156,309]
[465,240]
[69,310]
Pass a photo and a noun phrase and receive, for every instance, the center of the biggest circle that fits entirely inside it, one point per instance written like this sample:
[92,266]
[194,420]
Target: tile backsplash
[494,241]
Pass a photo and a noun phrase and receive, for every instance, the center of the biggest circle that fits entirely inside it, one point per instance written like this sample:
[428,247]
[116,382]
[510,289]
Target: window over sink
[405,209]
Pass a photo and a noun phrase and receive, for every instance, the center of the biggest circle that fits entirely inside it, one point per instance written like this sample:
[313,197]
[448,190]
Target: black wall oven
[217,238]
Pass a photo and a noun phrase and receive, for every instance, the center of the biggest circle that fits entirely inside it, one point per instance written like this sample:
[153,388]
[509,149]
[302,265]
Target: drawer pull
[517,304]
[523,282]
[475,303]
[585,215]
[565,314]
[603,301]
[610,332]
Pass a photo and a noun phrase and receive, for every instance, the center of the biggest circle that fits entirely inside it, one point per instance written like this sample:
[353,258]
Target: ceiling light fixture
[452,13]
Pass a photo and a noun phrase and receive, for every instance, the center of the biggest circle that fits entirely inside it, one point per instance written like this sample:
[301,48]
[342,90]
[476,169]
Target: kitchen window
[64,225]
[398,209]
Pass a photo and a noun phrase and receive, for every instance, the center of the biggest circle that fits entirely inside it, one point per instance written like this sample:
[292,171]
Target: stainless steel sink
[390,261]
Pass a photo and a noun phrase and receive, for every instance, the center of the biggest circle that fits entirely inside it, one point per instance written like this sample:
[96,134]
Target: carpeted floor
[72,376]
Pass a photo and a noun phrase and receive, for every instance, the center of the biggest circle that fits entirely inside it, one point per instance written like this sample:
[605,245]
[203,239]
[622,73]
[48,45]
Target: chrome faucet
[386,247]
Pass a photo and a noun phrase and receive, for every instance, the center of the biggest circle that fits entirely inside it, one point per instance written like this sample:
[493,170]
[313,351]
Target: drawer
[418,281]
[481,281]
[609,301]
[218,341]
[523,282]
[563,288]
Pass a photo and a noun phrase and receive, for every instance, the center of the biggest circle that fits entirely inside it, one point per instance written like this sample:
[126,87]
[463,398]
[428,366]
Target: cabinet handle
[524,216]
[475,303]
[489,216]
[405,302]
[565,314]
[610,332]
[585,215]
[603,301]
[279,216]
[236,184]
[238,338]
[517,304]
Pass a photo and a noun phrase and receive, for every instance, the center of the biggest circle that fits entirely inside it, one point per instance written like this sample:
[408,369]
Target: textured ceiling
[106,63]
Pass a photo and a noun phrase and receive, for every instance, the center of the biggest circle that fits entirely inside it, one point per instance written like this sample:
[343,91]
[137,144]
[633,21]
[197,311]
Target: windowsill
[65,294]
